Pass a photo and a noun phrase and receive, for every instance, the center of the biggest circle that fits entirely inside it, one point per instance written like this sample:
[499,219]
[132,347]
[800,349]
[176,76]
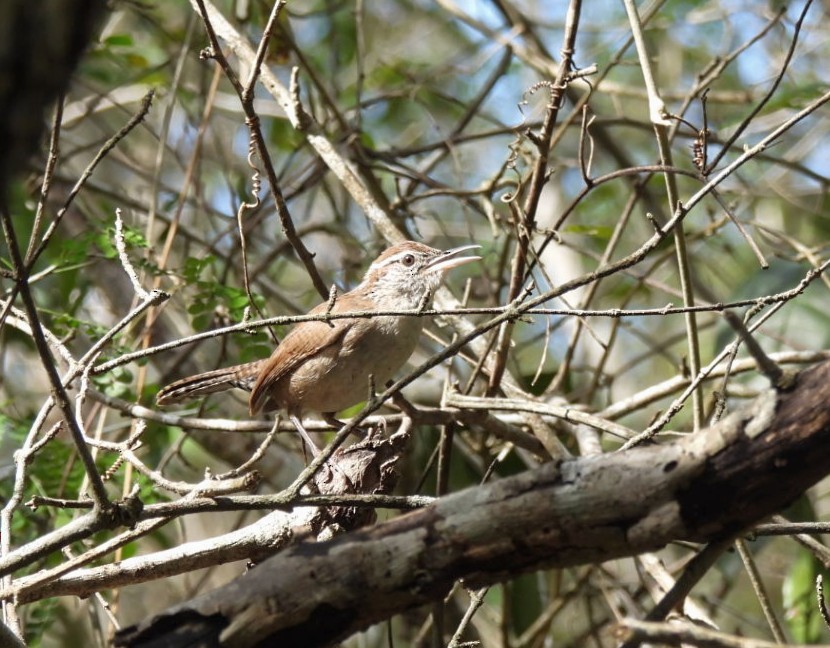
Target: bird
[325,366]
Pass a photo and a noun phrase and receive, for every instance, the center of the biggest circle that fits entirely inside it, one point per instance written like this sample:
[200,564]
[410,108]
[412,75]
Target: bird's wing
[304,341]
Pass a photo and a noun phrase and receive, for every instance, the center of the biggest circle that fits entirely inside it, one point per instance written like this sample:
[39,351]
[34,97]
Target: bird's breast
[338,377]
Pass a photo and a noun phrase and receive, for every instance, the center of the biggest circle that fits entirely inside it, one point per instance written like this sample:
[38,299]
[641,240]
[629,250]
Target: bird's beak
[450,259]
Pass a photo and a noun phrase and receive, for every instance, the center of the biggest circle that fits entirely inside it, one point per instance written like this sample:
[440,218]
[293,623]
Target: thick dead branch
[701,488]
[366,467]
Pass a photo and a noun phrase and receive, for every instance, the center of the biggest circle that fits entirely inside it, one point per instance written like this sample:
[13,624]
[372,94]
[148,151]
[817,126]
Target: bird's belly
[338,378]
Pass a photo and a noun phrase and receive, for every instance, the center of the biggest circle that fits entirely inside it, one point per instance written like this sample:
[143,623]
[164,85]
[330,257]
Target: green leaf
[194,266]
[134,238]
[116,383]
[284,137]
[238,301]
[105,242]
[799,593]
[116,40]
[256,347]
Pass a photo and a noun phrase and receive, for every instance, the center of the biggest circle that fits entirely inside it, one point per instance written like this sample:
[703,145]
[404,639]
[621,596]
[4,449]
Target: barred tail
[210,382]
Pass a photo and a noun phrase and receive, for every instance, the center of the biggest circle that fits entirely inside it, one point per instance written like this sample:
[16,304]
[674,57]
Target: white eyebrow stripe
[392,259]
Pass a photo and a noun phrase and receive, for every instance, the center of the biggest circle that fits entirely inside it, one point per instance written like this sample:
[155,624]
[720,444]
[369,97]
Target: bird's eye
[408,260]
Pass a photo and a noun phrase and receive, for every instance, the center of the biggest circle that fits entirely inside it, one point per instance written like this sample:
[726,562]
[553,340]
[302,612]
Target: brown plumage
[325,366]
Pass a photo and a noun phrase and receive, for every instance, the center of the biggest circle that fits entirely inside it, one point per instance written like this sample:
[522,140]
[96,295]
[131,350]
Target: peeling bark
[584,510]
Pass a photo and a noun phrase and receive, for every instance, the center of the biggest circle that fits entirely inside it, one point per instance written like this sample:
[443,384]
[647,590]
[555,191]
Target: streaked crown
[410,272]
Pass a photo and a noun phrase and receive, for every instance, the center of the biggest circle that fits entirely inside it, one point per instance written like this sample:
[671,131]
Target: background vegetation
[456,124]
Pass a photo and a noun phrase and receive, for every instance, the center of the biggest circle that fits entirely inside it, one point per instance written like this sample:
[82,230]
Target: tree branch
[704,487]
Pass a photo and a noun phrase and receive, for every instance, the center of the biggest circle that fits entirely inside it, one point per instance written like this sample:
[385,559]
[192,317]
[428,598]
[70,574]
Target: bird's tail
[242,376]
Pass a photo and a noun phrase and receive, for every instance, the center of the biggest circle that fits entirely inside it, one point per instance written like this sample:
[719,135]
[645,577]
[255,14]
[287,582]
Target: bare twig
[822,604]
[246,96]
[785,66]
[99,492]
[760,591]
[685,634]
[693,572]
[108,146]
[526,224]
[659,118]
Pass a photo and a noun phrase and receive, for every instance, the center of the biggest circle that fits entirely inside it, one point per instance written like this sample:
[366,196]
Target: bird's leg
[299,425]
[337,424]
[332,420]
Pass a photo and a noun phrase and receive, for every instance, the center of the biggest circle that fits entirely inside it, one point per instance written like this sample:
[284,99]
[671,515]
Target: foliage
[439,110]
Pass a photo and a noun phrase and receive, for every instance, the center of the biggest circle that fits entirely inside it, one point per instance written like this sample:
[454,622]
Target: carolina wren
[324,367]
